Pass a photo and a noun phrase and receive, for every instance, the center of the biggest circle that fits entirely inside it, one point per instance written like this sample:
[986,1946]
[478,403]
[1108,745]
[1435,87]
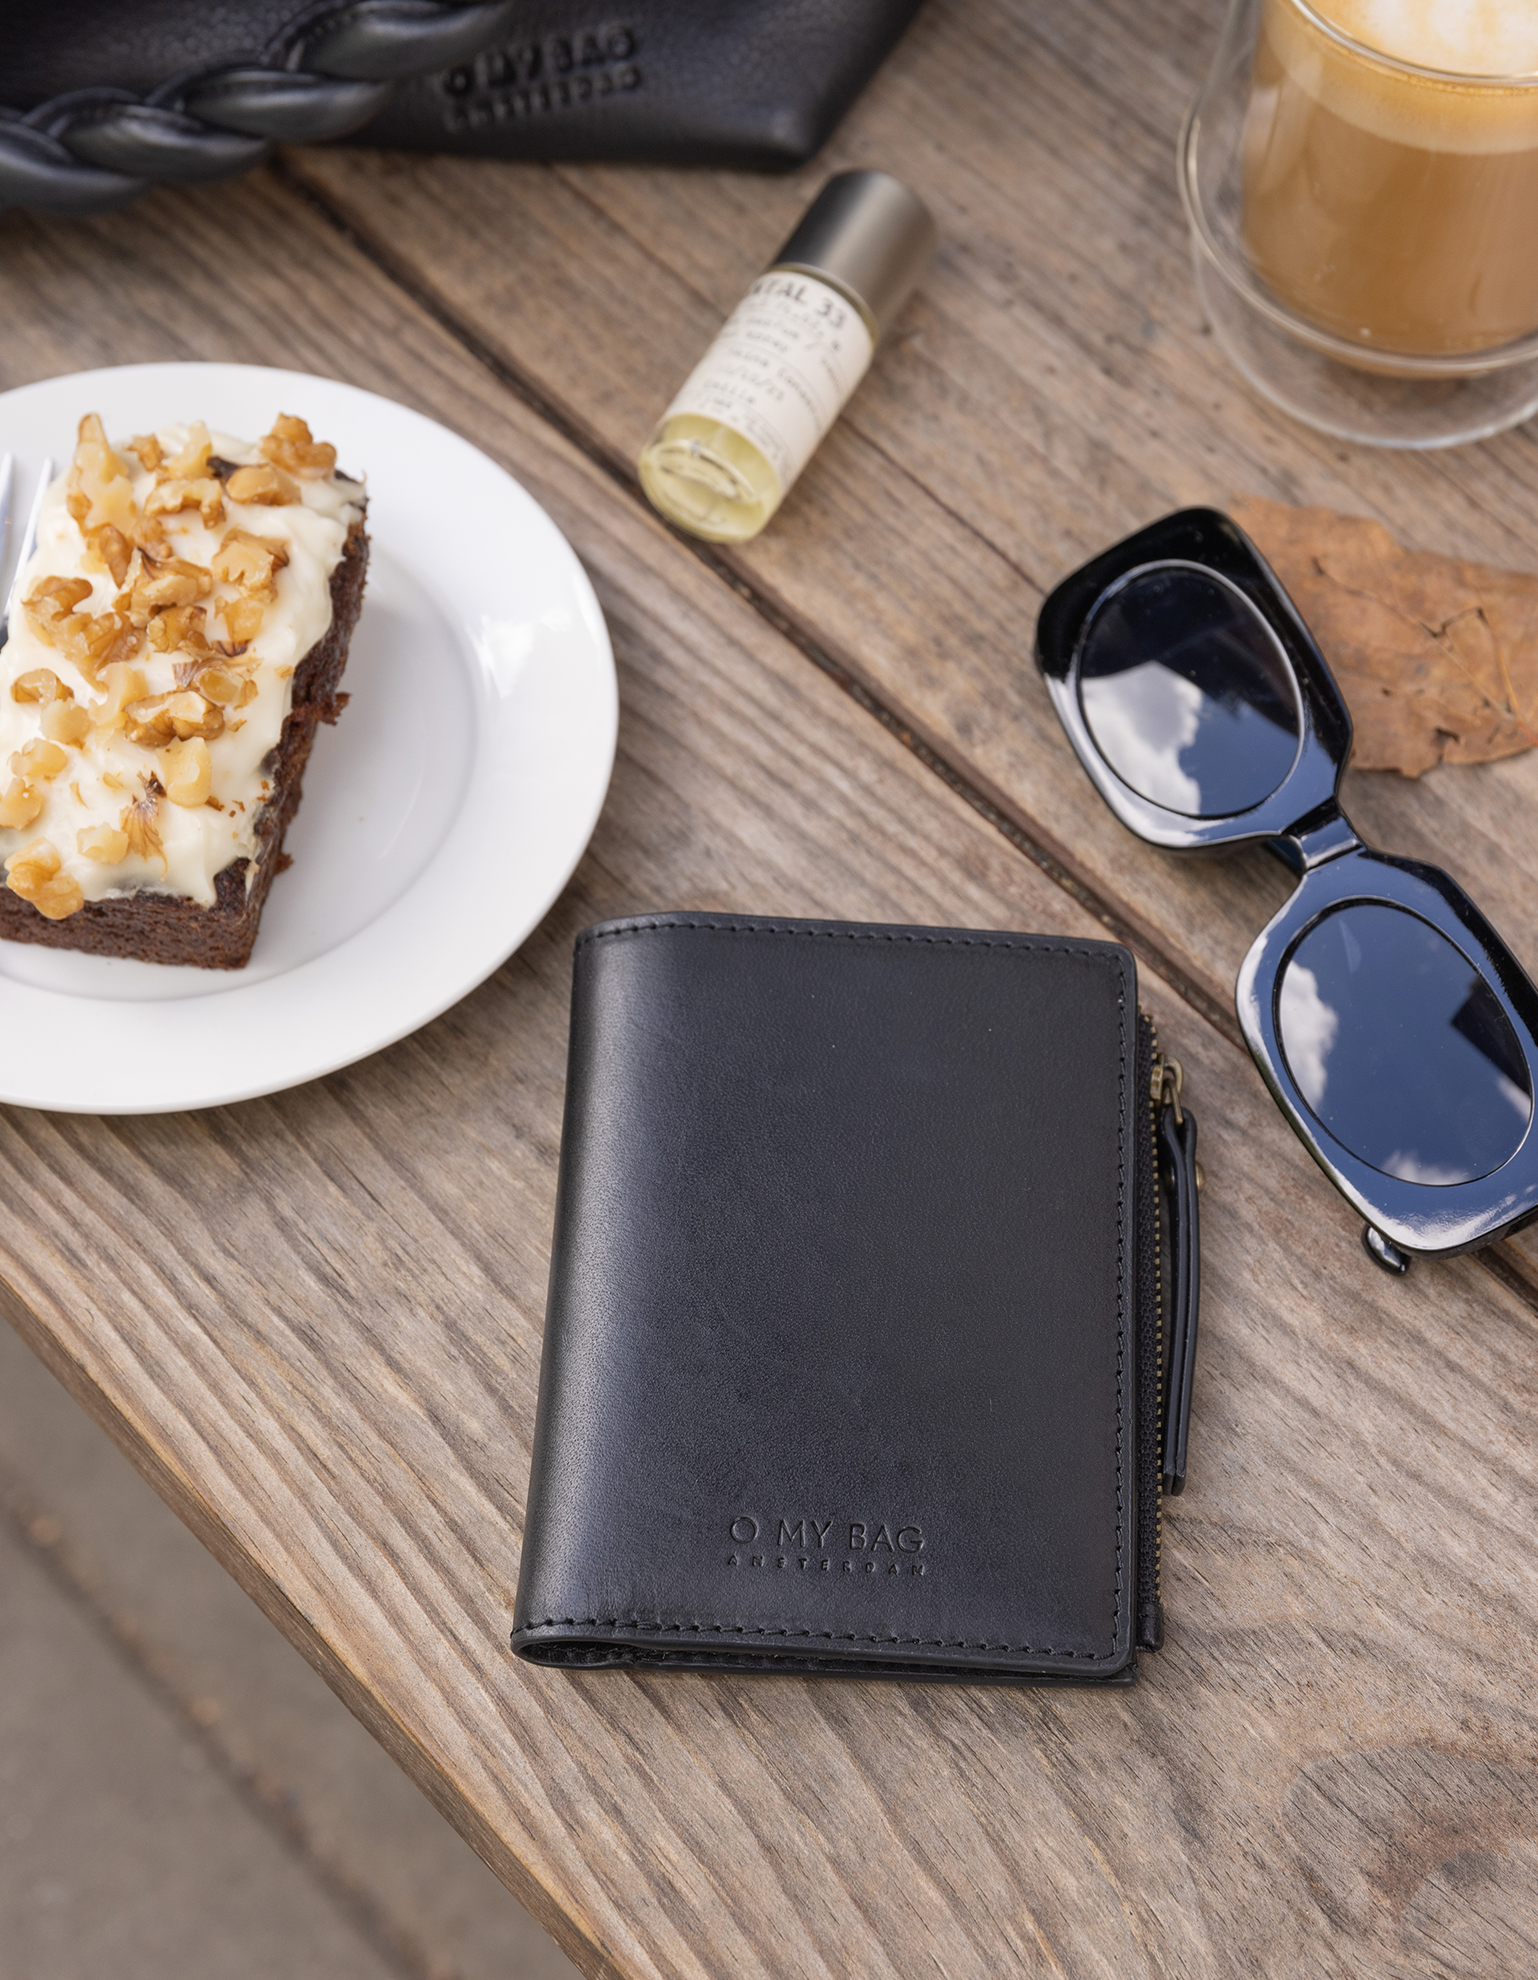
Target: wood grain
[1051,387]
[314,1322]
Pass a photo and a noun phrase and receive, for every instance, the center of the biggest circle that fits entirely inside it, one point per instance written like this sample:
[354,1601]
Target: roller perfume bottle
[755,408]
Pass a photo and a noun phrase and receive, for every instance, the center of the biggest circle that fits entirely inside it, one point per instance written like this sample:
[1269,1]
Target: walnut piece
[40,684]
[218,684]
[169,498]
[158,719]
[123,684]
[291,446]
[34,874]
[52,600]
[174,582]
[105,843]
[39,759]
[108,547]
[180,629]
[66,722]
[21,805]
[100,491]
[140,825]
[266,485]
[250,562]
[186,771]
[242,618]
[192,462]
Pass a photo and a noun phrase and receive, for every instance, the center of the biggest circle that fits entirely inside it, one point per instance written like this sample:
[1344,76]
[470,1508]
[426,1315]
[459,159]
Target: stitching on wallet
[1034,945]
[828,1635]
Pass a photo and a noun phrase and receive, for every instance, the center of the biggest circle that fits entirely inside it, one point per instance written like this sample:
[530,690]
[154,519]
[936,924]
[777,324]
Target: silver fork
[7,483]
[28,536]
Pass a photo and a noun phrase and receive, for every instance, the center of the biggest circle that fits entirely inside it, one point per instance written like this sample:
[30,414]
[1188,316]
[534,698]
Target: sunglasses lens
[1188,693]
[1400,1047]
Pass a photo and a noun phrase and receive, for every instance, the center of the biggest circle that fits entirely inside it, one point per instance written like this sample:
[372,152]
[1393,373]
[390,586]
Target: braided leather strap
[330,71]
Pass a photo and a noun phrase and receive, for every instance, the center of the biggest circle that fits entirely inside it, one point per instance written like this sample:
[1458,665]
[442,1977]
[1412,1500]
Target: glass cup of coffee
[1361,179]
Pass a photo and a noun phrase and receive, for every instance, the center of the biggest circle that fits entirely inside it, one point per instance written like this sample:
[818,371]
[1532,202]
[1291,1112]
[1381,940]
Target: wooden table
[314,1321]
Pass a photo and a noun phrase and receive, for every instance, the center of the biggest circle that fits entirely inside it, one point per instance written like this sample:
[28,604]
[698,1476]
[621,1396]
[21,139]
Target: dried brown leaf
[1437,657]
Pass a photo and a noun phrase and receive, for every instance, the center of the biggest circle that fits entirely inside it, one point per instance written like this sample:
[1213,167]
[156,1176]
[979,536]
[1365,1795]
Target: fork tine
[7,481]
[28,543]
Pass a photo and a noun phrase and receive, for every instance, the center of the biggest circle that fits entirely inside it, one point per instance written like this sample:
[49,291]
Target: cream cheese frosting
[137,720]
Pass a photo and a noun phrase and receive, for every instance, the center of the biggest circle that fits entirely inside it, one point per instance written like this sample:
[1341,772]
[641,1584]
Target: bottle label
[779,372]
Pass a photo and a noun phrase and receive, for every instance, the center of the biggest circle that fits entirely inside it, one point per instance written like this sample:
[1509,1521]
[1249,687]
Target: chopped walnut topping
[39,759]
[140,824]
[186,771]
[66,722]
[169,498]
[291,446]
[266,485]
[109,547]
[251,562]
[123,684]
[158,719]
[100,490]
[139,611]
[242,618]
[53,600]
[21,804]
[101,502]
[92,641]
[174,582]
[179,629]
[103,842]
[192,462]
[40,684]
[34,874]
[218,684]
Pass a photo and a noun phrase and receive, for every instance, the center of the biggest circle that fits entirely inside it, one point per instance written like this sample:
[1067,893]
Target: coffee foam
[1461,37]
[1476,39]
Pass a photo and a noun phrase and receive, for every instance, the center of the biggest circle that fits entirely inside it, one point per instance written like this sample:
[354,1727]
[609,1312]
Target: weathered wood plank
[1051,388]
[314,1321]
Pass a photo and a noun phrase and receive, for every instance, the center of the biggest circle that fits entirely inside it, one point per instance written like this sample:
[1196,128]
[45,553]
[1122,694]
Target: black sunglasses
[1397,1032]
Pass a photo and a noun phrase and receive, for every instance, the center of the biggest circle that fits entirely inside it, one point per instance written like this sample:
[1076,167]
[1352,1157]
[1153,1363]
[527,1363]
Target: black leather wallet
[856,1353]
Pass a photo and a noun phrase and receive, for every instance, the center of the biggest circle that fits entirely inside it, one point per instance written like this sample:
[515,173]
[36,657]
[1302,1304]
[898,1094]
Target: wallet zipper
[1156,1095]
[1174,1298]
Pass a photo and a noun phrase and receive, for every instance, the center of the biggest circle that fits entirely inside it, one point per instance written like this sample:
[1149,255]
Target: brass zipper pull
[1169,1078]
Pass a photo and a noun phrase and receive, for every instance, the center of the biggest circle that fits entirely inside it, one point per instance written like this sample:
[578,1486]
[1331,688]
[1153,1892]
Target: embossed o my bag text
[826,1546]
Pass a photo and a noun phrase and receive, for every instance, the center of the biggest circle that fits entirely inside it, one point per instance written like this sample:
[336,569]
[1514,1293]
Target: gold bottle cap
[869,235]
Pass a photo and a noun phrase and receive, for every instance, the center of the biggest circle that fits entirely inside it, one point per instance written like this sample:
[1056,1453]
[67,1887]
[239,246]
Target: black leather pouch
[872,1308]
[190,89]
[759,83]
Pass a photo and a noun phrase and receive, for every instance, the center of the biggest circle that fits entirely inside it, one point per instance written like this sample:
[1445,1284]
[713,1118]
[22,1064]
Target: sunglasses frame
[1302,822]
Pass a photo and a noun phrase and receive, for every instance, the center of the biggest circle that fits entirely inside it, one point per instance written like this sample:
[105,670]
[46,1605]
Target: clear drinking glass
[1365,228]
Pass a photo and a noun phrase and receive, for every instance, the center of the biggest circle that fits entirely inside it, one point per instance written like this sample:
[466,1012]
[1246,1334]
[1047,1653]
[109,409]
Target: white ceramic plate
[441,816]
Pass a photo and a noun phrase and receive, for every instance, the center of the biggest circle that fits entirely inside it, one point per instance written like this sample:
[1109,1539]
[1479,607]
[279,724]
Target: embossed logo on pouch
[525,79]
[832,1545]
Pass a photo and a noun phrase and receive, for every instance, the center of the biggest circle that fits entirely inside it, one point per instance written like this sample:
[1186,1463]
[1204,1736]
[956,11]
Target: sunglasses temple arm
[1177,1137]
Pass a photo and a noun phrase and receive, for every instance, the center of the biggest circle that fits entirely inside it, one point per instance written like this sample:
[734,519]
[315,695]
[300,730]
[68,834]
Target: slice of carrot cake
[174,640]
